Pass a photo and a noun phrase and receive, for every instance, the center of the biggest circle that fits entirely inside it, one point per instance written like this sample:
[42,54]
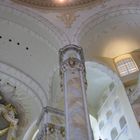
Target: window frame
[125,65]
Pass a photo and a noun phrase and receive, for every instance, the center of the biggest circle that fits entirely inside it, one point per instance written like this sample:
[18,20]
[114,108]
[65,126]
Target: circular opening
[10,40]
[18,43]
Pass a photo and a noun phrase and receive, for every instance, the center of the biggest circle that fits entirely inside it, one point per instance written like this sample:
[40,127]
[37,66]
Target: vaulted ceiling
[30,39]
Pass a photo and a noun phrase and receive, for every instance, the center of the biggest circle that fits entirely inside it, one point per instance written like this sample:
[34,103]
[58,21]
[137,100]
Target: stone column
[73,84]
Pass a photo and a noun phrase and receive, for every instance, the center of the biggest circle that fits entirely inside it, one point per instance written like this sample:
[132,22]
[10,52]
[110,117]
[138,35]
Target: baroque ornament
[9,113]
[68,18]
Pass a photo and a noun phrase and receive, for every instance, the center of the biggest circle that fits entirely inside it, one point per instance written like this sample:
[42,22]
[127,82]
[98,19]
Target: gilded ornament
[51,128]
[8,112]
[3,131]
[62,131]
[68,18]
[71,62]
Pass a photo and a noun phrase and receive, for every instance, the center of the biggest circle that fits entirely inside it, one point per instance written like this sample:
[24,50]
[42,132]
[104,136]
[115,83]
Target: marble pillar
[73,84]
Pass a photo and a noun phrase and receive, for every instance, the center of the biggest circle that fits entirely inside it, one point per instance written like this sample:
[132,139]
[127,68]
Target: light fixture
[60,1]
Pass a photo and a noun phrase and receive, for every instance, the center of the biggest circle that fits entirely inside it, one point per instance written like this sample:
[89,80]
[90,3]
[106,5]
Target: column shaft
[72,72]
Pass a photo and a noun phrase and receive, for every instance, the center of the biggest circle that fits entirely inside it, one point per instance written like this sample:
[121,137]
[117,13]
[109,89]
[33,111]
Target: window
[122,122]
[114,133]
[125,65]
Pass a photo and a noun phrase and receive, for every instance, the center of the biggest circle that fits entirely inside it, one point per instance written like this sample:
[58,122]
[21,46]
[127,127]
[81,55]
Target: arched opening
[104,99]
[106,104]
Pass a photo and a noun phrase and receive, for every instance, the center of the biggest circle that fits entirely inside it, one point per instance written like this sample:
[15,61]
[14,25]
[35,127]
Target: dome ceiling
[55,3]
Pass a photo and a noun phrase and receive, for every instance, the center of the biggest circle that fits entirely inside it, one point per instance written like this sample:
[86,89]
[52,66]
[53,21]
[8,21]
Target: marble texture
[76,111]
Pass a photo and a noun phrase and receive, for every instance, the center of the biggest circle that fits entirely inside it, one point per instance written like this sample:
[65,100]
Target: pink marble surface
[76,111]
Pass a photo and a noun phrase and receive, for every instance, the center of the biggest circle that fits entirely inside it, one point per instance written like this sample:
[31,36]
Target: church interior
[32,33]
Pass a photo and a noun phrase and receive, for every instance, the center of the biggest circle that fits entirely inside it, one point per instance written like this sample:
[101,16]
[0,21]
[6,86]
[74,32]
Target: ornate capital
[72,64]
[72,59]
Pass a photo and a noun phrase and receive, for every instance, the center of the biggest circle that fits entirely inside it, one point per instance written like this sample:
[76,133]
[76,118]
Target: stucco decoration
[24,93]
[9,113]
[68,18]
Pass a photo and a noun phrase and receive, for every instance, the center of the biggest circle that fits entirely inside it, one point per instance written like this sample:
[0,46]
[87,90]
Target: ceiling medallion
[56,4]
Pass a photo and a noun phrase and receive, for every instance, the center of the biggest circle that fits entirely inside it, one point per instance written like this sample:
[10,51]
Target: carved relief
[12,112]
[8,111]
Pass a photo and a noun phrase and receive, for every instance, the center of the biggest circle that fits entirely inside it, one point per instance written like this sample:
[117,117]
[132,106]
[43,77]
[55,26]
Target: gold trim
[3,131]
[58,7]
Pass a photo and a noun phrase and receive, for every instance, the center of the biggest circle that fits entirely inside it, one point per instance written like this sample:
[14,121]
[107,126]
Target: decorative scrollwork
[9,113]
[72,63]
[4,131]
[62,131]
[51,128]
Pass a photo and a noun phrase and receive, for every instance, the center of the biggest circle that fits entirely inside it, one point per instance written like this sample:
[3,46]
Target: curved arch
[27,95]
[52,74]
[34,22]
[15,77]
[54,81]
[121,93]
[31,131]
[105,69]
[92,95]
[96,19]
[40,28]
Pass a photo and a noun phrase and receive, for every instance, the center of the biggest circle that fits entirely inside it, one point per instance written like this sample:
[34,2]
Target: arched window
[114,133]
[101,125]
[122,122]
